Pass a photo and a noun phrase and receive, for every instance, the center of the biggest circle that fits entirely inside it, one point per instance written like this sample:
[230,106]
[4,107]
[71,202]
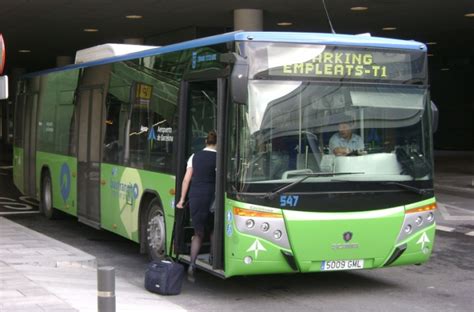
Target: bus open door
[201,110]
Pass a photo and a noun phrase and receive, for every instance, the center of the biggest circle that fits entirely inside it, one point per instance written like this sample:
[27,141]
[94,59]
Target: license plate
[337,265]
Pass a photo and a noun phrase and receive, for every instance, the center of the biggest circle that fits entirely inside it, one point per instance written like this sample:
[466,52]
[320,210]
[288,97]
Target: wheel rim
[156,233]
[47,196]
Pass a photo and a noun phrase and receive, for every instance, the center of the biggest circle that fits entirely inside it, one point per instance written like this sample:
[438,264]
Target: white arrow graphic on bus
[423,240]
[256,247]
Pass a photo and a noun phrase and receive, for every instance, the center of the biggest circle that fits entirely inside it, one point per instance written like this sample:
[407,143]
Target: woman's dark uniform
[202,191]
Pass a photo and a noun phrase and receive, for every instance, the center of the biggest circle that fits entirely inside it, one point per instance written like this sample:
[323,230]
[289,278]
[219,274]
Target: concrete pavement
[38,273]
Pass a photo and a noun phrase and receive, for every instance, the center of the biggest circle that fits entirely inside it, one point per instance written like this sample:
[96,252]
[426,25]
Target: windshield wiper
[271,195]
[407,187]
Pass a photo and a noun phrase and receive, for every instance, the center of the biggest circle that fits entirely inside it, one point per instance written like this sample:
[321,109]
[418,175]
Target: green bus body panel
[122,189]
[18,171]
[121,192]
[63,170]
[315,237]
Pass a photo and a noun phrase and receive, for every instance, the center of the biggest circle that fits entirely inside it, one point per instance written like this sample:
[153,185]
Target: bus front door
[202,103]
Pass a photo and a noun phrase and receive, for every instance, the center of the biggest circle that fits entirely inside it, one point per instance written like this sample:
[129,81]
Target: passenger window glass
[57,113]
[116,117]
[161,137]
[138,135]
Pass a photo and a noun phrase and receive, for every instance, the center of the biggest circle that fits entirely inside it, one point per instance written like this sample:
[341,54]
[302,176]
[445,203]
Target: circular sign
[65,181]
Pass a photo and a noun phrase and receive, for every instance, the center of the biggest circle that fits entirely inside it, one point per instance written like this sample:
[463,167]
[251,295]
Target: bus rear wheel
[155,231]
[46,200]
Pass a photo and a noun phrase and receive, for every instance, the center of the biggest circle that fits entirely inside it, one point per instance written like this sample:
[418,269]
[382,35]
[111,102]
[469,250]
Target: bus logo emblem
[347,236]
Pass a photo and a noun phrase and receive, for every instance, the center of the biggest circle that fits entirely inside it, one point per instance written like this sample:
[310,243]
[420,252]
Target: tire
[46,200]
[155,231]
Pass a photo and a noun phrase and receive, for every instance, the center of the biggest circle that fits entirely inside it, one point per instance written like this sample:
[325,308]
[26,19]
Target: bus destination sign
[339,64]
[351,64]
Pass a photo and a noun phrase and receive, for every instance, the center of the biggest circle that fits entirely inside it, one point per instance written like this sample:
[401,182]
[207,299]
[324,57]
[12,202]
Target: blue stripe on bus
[151,52]
[333,39]
[291,37]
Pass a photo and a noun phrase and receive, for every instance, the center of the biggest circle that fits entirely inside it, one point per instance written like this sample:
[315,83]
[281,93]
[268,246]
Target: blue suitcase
[164,277]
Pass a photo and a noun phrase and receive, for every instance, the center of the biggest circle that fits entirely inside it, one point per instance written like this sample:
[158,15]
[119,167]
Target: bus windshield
[331,113]
[293,128]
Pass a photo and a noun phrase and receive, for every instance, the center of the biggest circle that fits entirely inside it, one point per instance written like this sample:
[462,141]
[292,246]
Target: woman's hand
[180,204]
[184,187]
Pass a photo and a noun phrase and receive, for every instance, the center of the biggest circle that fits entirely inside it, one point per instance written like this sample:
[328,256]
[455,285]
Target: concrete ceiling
[55,27]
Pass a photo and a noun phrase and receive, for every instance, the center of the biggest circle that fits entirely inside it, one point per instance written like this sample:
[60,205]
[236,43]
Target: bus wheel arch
[152,226]
[46,194]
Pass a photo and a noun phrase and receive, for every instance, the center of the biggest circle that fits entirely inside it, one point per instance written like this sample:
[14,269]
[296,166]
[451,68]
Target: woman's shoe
[191,272]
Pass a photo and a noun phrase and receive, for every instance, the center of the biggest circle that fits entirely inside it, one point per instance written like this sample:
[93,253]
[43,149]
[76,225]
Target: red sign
[2,54]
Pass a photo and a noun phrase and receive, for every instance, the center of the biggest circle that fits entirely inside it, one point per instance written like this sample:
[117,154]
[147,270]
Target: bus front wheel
[155,231]
[46,202]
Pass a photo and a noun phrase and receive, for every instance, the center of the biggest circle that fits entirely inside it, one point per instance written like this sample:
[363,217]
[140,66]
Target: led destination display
[337,62]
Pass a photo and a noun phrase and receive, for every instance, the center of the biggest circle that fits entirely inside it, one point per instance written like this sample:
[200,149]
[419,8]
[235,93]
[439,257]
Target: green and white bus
[107,141]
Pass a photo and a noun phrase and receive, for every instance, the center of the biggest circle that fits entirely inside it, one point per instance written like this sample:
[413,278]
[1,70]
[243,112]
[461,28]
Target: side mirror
[239,83]
[3,87]
[239,77]
[434,116]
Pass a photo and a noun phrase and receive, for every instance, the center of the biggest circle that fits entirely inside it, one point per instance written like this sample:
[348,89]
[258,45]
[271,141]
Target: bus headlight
[430,217]
[417,218]
[250,223]
[277,234]
[266,223]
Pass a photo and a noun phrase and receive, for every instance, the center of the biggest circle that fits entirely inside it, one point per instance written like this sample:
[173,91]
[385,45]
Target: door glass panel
[202,113]
[96,125]
[117,115]
[84,99]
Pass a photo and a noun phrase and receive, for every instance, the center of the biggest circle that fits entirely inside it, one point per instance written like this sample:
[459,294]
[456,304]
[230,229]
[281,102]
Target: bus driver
[344,142]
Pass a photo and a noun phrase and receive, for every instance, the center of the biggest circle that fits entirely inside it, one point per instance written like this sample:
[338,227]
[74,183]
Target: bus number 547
[289,201]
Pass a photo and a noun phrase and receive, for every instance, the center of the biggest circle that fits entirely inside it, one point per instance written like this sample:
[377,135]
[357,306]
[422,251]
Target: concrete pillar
[248,19]
[63,60]
[138,41]
[14,76]
[17,72]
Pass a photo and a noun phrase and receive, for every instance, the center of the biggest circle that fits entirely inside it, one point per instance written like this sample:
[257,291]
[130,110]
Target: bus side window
[138,136]
[113,147]
[160,137]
